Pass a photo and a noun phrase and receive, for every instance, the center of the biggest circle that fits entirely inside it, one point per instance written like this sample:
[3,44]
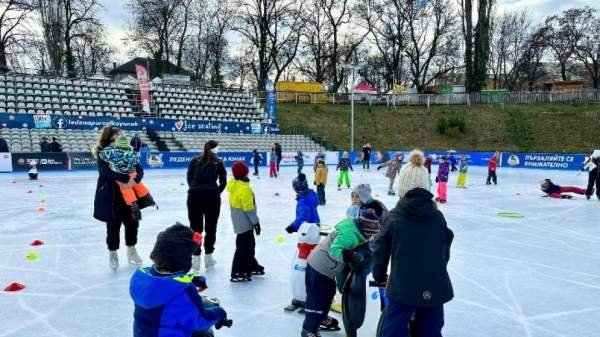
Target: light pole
[354,68]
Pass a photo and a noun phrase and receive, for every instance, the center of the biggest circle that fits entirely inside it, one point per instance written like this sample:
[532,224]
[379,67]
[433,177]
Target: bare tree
[431,45]
[92,53]
[587,48]
[52,21]
[315,43]
[12,31]
[273,28]
[77,14]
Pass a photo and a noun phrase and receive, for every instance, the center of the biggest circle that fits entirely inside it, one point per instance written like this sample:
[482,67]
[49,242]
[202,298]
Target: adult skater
[366,152]
[109,206]
[279,154]
[419,285]
[299,161]
[204,200]
[414,173]
[591,164]
[3,144]
[492,166]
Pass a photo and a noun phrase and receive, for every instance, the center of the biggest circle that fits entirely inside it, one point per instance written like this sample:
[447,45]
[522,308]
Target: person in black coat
[256,159]
[417,240]
[109,206]
[136,143]
[204,199]
[366,151]
[279,155]
[3,145]
[55,145]
[44,145]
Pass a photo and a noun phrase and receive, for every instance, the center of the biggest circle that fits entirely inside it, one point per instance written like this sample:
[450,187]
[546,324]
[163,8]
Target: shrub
[442,125]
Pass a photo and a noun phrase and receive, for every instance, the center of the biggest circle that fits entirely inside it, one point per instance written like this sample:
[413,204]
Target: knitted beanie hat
[413,175]
[174,248]
[369,221]
[363,191]
[239,169]
[300,184]
[122,143]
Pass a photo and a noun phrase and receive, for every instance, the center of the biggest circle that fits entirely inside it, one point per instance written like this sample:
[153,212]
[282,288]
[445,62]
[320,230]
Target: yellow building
[301,92]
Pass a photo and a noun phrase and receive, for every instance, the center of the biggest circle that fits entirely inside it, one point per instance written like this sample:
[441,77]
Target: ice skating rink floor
[534,276]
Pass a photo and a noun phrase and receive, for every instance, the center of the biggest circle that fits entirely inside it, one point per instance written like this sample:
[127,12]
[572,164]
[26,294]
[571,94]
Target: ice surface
[536,276]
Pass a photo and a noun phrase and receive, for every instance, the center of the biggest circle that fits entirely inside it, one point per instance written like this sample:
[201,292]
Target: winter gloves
[290,229]
[257,229]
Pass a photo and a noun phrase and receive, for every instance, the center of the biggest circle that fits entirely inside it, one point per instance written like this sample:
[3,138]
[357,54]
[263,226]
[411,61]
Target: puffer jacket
[417,240]
[306,209]
[242,204]
[393,168]
[321,175]
[443,172]
[169,306]
[344,165]
[326,258]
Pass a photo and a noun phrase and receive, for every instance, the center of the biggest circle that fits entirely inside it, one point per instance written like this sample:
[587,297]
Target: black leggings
[204,207]
[491,177]
[593,179]
[244,261]
[125,217]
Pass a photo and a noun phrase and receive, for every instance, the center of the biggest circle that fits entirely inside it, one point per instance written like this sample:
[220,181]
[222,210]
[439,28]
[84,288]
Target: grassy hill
[541,127]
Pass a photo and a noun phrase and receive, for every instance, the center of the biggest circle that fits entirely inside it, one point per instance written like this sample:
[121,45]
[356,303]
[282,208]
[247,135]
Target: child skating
[307,225]
[122,159]
[343,166]
[273,163]
[256,159]
[245,222]
[166,299]
[442,181]
[327,261]
[555,191]
[463,167]
[492,166]
[393,168]
[33,171]
[321,181]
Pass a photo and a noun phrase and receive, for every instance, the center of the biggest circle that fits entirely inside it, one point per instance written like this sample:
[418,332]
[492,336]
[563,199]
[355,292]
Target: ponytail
[209,157]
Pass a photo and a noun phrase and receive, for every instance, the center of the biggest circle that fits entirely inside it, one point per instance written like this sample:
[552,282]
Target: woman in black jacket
[204,199]
[109,206]
[417,239]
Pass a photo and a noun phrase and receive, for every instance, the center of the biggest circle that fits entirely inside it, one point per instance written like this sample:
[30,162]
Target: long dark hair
[208,157]
[105,138]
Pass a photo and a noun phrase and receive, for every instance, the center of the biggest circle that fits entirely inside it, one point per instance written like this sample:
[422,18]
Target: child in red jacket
[492,164]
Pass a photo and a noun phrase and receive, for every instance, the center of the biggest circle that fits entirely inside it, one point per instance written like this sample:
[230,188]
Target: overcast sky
[115,15]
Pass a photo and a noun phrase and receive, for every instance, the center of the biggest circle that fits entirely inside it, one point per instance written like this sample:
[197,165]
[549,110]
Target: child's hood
[309,198]
[235,185]
[150,291]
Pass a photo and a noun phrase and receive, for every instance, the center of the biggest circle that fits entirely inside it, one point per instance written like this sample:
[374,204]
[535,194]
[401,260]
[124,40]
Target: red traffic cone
[14,287]
[37,243]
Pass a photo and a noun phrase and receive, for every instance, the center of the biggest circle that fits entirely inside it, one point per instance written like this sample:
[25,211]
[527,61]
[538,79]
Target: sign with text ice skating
[551,161]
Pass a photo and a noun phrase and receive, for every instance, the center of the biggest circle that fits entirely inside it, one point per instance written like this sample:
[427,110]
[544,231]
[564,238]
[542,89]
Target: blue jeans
[429,320]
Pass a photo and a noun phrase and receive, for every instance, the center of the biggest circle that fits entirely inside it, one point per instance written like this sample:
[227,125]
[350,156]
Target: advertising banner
[157,160]
[543,160]
[271,101]
[5,162]
[44,160]
[142,76]
[96,123]
[81,160]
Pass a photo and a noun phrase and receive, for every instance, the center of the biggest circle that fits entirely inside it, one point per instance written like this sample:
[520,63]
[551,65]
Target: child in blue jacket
[307,202]
[167,303]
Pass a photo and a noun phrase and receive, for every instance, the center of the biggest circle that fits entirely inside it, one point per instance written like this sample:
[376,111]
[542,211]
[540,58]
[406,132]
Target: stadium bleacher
[37,95]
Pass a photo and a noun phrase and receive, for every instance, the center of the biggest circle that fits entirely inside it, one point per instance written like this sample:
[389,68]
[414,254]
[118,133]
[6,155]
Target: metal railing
[485,97]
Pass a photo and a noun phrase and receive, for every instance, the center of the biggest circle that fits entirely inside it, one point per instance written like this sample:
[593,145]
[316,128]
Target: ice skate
[391,193]
[329,324]
[113,260]
[133,257]
[258,271]
[295,305]
[305,333]
[239,278]
[209,262]
[196,261]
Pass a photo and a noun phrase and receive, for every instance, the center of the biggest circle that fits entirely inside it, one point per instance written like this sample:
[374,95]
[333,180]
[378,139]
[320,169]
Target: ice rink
[534,276]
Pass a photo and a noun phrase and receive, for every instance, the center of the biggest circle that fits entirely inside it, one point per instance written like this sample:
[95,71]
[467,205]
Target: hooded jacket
[416,239]
[327,258]
[306,209]
[243,206]
[321,175]
[550,188]
[169,305]
[443,172]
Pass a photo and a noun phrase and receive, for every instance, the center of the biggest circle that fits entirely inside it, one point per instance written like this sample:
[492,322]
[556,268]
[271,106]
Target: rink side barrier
[166,160]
